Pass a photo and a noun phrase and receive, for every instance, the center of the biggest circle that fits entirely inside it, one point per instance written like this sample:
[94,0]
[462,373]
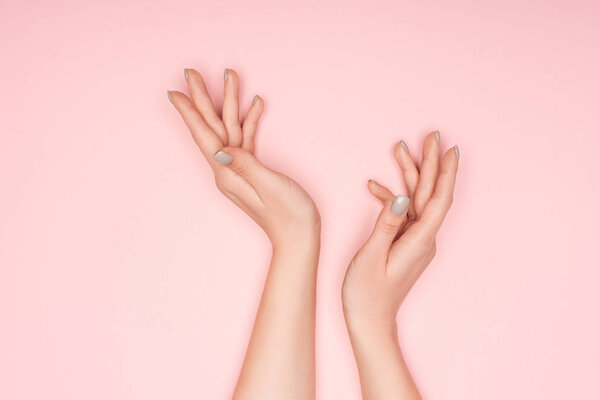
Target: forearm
[383,371]
[280,360]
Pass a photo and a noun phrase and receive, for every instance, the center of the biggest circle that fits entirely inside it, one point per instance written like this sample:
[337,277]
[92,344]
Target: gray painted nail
[170,97]
[223,157]
[225,76]
[254,99]
[437,136]
[185,73]
[457,152]
[400,205]
[404,145]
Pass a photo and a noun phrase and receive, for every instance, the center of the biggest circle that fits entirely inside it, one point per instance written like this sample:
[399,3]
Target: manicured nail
[225,76]
[223,158]
[437,136]
[404,145]
[400,205]
[457,152]
[185,73]
[254,99]
[170,97]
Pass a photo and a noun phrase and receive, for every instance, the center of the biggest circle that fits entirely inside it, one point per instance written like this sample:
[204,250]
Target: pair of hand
[279,362]
[403,241]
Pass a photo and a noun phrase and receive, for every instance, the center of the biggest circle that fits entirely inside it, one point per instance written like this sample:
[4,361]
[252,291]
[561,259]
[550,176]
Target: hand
[403,241]
[279,205]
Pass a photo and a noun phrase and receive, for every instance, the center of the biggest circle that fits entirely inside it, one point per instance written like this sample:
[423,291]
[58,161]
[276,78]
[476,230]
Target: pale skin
[386,267]
[280,359]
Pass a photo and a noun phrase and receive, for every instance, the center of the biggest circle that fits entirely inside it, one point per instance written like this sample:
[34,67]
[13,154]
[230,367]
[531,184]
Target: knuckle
[388,227]
[241,168]
[444,201]
[249,124]
[232,125]
[423,243]
[422,246]
[214,120]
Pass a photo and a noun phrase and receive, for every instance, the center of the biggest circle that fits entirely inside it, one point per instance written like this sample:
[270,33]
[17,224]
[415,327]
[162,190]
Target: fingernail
[225,76]
[223,157]
[170,97]
[404,145]
[373,181]
[254,99]
[400,205]
[185,73]
[437,136]
[457,152]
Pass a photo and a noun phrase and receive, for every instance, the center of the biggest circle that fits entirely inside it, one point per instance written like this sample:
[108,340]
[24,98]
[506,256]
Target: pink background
[124,274]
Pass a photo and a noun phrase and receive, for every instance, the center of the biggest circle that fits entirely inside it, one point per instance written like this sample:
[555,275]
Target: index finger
[205,138]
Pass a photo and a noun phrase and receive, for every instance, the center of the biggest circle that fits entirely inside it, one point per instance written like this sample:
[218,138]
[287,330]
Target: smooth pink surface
[126,275]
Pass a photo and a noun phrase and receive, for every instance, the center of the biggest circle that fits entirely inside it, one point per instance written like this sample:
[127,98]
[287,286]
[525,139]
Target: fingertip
[223,157]
[379,191]
[371,186]
[400,205]
[191,75]
[401,152]
[404,146]
[449,162]
[400,147]
[227,155]
[234,152]
[257,104]
[452,154]
[432,140]
[177,98]
[229,75]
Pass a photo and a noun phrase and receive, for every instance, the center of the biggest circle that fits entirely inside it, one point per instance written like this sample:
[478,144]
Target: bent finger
[410,174]
[379,191]
[390,221]
[205,138]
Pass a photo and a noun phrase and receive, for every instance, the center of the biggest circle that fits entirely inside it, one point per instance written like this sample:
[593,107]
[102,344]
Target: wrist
[372,330]
[363,322]
[301,240]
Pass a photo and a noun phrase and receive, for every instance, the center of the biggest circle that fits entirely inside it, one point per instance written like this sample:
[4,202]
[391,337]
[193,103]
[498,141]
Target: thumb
[389,222]
[245,165]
